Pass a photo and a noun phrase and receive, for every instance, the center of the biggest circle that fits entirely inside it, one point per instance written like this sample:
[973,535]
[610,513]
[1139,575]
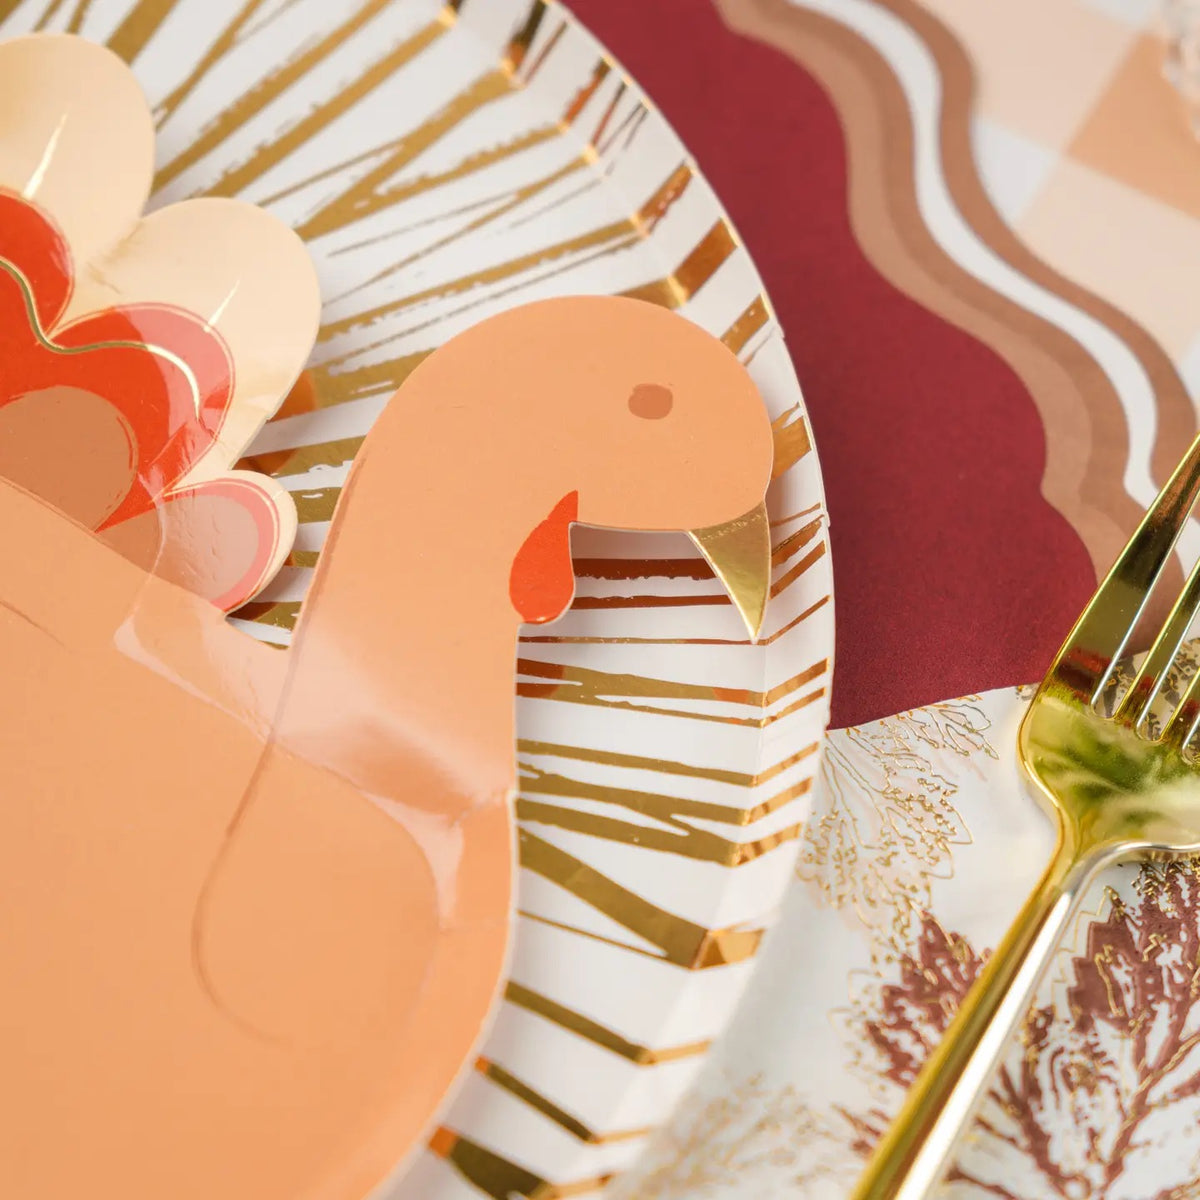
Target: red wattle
[542,583]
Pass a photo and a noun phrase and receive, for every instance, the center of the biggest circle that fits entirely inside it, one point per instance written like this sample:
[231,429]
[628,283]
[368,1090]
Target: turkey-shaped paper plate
[315,819]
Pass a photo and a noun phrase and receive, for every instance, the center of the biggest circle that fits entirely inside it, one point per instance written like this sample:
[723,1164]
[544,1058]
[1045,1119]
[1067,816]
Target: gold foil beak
[739,553]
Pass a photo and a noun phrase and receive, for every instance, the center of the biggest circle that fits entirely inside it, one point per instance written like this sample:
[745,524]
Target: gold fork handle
[909,1161]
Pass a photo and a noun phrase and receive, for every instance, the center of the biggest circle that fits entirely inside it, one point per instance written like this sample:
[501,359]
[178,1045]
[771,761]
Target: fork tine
[1135,704]
[1179,729]
[1085,662]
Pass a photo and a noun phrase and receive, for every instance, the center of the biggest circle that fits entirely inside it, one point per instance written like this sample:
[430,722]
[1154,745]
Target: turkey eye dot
[651,401]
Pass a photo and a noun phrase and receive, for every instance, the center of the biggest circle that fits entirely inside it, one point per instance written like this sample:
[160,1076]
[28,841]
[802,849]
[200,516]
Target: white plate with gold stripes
[444,162]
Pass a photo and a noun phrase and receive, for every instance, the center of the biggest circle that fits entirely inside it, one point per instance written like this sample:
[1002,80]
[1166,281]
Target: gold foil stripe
[634,117]
[581,99]
[607,115]
[652,600]
[659,204]
[544,53]
[803,702]
[338,168]
[237,115]
[668,809]
[646,709]
[693,273]
[746,326]
[614,236]
[570,681]
[590,935]
[643,568]
[630,124]
[316,504]
[794,543]
[474,162]
[8,7]
[141,23]
[521,196]
[657,805]
[225,42]
[636,762]
[794,622]
[696,844]
[338,387]
[792,442]
[500,1179]
[639,762]
[364,197]
[695,569]
[569,640]
[563,1119]
[518,47]
[599,1035]
[779,522]
[681,942]
[786,580]
[757,722]
[279,616]
[585,681]
[560,269]
[296,462]
[478,161]
[273,152]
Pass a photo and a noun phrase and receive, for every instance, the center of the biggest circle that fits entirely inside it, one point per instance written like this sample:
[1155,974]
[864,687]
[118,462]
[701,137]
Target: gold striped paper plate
[443,162]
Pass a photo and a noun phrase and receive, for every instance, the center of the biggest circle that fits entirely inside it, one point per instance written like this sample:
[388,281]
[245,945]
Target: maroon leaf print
[1102,1089]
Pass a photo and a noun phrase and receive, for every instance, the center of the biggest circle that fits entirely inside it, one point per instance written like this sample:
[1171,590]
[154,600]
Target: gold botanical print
[730,1142]
[886,823]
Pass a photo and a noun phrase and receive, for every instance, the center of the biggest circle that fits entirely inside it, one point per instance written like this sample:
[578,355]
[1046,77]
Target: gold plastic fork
[1116,792]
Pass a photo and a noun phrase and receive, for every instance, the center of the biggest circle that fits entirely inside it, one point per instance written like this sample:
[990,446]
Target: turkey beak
[739,553]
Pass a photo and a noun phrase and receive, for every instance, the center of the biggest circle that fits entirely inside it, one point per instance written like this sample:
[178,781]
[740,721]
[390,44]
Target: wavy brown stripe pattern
[1175,412]
[1086,434]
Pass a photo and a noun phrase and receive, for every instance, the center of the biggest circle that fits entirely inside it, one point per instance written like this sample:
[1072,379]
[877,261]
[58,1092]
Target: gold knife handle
[909,1161]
